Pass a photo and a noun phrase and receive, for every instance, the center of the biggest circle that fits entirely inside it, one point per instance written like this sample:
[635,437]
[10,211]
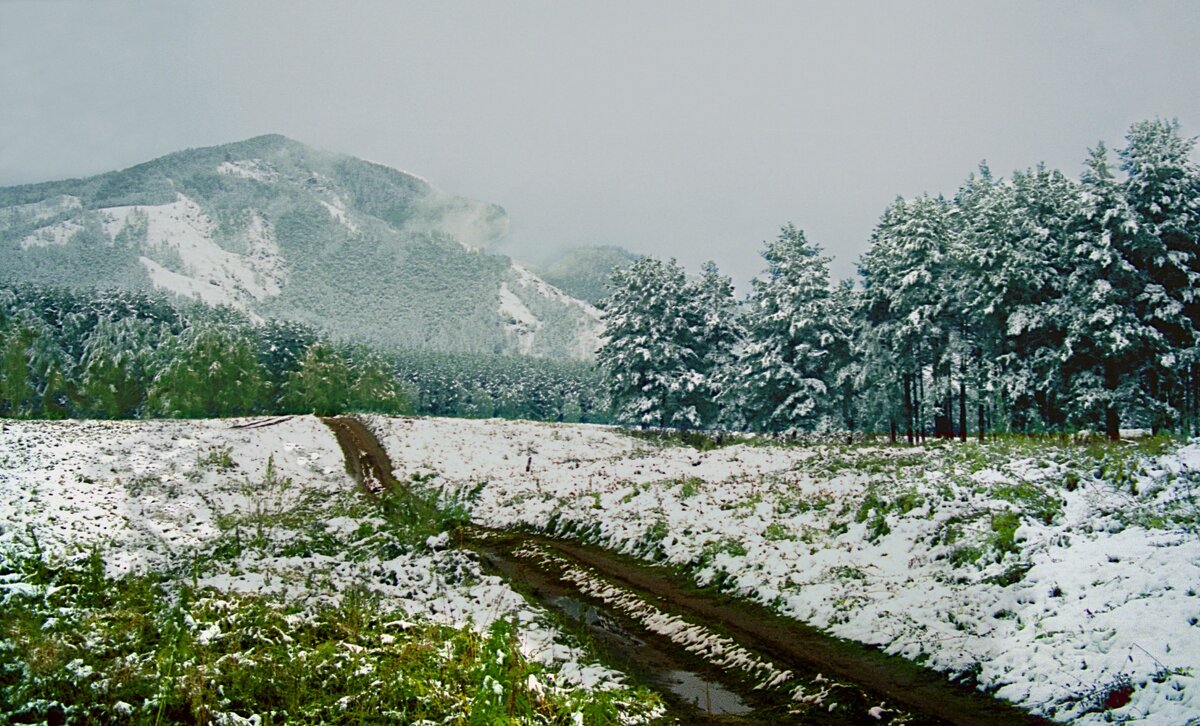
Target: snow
[522,323]
[150,497]
[206,271]
[337,210]
[1104,598]
[35,212]
[526,279]
[589,337]
[184,227]
[255,169]
[58,234]
[1104,595]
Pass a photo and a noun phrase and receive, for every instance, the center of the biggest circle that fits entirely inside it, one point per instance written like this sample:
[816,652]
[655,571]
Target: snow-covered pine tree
[31,367]
[1031,281]
[979,233]
[118,362]
[321,384]
[649,356]
[783,369]
[1106,343]
[905,301]
[213,371]
[1163,190]
[844,365]
[717,332]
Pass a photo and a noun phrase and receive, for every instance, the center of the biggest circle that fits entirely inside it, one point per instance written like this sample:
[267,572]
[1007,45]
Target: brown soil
[366,460]
[898,683]
[916,694]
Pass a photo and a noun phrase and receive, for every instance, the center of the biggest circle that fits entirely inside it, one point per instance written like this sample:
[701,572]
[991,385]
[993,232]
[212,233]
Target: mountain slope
[584,271]
[275,228]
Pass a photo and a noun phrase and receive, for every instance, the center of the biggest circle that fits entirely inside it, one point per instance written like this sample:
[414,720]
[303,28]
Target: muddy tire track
[609,594]
[366,460]
[810,654]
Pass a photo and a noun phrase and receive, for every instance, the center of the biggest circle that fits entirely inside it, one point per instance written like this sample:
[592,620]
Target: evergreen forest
[107,353]
[1038,304]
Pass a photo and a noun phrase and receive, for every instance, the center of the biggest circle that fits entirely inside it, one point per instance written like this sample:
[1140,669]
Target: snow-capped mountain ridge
[277,229]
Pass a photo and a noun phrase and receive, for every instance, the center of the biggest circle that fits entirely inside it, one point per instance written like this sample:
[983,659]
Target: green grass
[86,649]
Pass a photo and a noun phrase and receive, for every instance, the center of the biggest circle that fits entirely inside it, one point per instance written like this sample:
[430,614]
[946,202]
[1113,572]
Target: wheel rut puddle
[715,659]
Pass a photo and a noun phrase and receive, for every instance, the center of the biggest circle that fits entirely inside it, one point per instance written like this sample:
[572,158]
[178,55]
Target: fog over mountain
[278,229]
[667,128]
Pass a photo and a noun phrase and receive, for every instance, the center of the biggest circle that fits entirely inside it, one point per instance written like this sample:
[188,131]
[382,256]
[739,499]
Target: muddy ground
[716,659]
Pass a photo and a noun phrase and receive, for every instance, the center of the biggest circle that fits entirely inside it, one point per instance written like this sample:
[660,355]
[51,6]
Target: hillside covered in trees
[1039,303]
[280,230]
[114,354]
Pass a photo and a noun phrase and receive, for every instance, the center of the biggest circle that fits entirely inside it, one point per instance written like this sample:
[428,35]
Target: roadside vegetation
[309,603]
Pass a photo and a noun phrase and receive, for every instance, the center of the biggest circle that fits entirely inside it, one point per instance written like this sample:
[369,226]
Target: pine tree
[905,306]
[118,363]
[784,365]
[1032,277]
[375,387]
[844,367]
[33,368]
[321,384]
[1105,341]
[214,371]
[980,232]
[716,331]
[649,357]
[1163,190]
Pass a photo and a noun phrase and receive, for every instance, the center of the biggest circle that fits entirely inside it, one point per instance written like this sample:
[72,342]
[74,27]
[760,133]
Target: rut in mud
[715,658]
[366,460]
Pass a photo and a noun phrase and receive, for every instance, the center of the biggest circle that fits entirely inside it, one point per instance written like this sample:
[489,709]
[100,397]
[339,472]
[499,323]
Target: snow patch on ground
[56,234]
[256,169]
[181,235]
[527,279]
[160,495]
[588,337]
[337,210]
[185,228]
[35,212]
[1097,599]
[520,320]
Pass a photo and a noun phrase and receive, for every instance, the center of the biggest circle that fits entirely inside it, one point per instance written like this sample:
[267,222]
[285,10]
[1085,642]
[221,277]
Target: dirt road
[716,659]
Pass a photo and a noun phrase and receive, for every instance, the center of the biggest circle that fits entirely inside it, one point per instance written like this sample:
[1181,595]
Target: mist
[677,129]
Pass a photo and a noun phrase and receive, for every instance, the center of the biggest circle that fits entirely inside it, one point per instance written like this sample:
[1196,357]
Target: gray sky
[685,129]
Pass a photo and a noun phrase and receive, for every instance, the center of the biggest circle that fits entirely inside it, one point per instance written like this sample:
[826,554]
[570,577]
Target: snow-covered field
[259,510]
[1064,578]
[1061,577]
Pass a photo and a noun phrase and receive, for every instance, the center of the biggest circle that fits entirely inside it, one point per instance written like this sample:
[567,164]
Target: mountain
[583,272]
[278,229]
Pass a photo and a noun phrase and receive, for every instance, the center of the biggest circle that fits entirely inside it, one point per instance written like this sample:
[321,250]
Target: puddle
[706,696]
[594,620]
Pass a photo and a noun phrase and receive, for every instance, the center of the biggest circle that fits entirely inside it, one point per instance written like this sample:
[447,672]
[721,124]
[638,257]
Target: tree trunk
[921,404]
[962,400]
[908,406]
[1195,428]
[1155,419]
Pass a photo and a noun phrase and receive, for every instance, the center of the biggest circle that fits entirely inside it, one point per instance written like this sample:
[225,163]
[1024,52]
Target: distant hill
[279,229]
[583,272]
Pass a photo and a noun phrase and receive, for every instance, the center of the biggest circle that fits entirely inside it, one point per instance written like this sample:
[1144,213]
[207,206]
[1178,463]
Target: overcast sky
[686,129]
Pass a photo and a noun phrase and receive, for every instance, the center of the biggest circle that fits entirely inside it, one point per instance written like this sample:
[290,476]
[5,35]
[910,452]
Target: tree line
[1039,303]
[86,353]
